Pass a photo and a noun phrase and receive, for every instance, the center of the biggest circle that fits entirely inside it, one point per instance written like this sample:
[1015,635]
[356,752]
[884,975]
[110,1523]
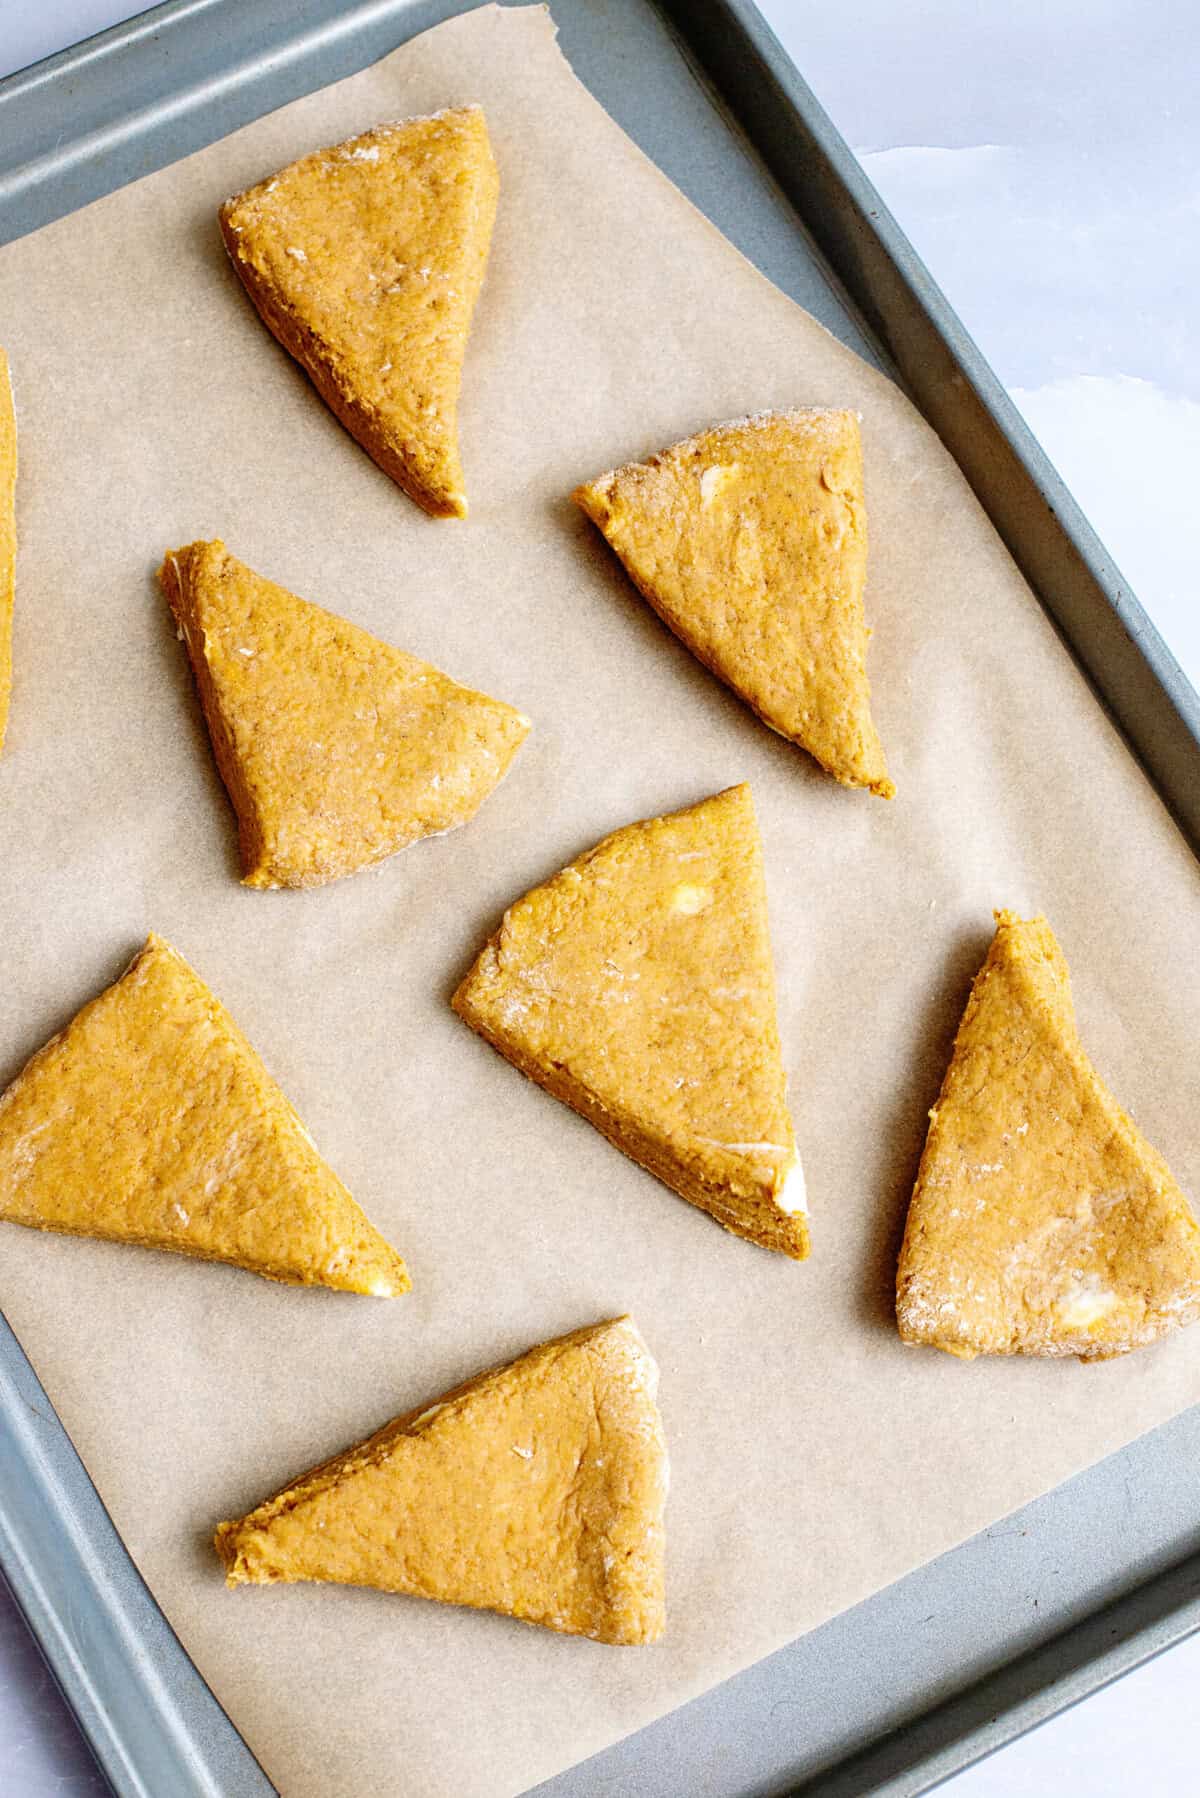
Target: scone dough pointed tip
[150,1120]
[365,260]
[1042,1221]
[336,749]
[536,1489]
[637,986]
[750,542]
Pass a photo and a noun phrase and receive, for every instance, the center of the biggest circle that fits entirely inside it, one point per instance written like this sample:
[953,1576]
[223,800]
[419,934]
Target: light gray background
[1044,158]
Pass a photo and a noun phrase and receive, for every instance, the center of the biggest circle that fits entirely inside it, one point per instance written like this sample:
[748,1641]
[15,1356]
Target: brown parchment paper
[814,1458]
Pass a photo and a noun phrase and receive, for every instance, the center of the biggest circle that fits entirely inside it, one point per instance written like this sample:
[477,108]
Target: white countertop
[1043,157]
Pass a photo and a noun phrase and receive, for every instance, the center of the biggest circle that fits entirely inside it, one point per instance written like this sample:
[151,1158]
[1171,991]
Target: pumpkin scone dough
[750,542]
[1042,1223]
[637,986]
[8,537]
[150,1120]
[336,749]
[365,260]
[536,1489]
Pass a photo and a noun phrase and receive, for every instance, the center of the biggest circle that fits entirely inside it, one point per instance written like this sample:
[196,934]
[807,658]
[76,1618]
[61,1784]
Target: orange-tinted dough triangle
[365,260]
[750,541]
[637,986]
[536,1489]
[1043,1223]
[337,749]
[151,1120]
[8,537]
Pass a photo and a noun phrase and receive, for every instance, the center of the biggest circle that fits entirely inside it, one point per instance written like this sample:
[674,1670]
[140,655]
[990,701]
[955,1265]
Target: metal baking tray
[897,1694]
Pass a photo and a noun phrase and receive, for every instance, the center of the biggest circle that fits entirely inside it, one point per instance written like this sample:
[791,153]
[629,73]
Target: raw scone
[8,537]
[337,749]
[536,1489]
[1043,1223]
[637,986]
[750,541]
[365,260]
[151,1120]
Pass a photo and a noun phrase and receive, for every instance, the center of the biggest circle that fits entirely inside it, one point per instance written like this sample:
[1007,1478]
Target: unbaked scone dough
[151,1120]
[1043,1223]
[365,260]
[337,749]
[750,541]
[536,1489]
[637,986]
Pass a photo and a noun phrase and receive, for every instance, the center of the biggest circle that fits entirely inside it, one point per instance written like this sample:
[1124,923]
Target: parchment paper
[815,1459]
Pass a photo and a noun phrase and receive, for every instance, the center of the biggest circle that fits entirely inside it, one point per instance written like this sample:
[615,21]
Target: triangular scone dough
[536,1489]
[365,261]
[337,749]
[8,537]
[1043,1223]
[637,986]
[750,541]
[151,1120]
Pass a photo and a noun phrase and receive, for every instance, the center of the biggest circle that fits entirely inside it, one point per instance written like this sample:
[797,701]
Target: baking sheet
[815,1459]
